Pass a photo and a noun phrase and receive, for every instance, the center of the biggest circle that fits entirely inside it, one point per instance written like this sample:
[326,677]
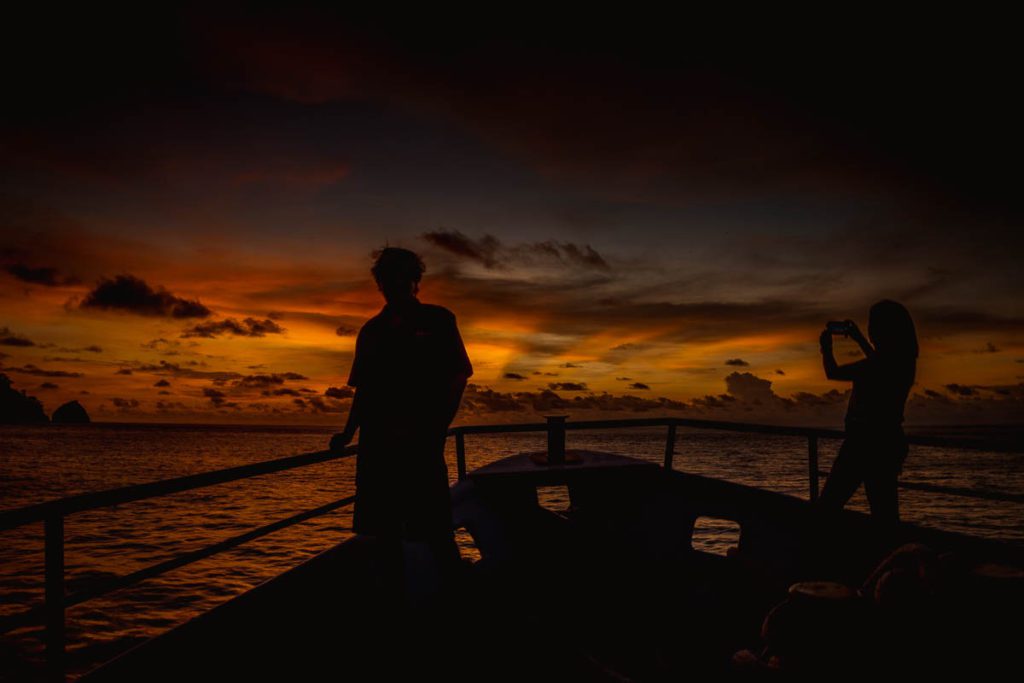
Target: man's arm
[454,399]
[344,438]
[463,370]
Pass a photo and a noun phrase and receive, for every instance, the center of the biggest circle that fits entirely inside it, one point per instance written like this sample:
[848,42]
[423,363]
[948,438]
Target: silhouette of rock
[17,407]
[71,412]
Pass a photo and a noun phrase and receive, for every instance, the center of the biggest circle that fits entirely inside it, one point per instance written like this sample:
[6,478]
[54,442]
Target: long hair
[893,333]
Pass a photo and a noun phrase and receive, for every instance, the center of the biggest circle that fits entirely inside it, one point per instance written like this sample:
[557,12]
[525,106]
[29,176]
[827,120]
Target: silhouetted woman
[875,447]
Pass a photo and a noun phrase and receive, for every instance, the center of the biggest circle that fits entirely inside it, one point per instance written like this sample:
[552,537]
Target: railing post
[54,595]
[670,445]
[460,453]
[812,466]
[556,439]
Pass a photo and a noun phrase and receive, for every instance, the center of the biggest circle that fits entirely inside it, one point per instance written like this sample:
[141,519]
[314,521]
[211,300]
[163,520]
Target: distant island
[71,412]
[17,407]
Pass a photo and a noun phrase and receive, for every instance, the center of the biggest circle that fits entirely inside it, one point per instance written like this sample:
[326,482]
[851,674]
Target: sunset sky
[627,217]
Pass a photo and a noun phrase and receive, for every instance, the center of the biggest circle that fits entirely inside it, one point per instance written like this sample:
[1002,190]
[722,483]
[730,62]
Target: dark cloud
[125,403]
[31,369]
[8,338]
[217,398]
[280,392]
[48,277]
[129,294]
[480,400]
[264,381]
[483,251]
[483,400]
[989,348]
[319,405]
[738,362]
[570,365]
[640,386]
[175,370]
[162,383]
[258,381]
[124,371]
[961,390]
[48,385]
[575,308]
[346,331]
[489,251]
[160,343]
[779,372]
[567,386]
[624,379]
[340,392]
[722,401]
[514,375]
[829,398]
[749,388]
[751,398]
[249,327]
[93,348]
[629,347]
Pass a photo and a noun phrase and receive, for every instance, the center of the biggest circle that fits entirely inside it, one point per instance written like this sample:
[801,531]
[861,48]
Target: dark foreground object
[611,589]
[71,412]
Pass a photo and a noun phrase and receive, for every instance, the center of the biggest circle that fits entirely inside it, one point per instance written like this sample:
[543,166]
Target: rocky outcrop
[71,412]
[17,407]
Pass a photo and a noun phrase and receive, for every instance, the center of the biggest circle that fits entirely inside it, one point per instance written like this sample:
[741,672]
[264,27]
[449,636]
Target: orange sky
[670,225]
[125,366]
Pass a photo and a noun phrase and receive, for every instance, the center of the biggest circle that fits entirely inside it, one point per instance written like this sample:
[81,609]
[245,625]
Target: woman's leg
[844,477]
[880,485]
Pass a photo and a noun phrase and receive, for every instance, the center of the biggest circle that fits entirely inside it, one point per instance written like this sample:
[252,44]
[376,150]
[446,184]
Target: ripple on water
[38,464]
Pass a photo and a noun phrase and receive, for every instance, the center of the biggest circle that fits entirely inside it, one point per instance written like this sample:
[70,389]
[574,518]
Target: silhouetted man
[409,372]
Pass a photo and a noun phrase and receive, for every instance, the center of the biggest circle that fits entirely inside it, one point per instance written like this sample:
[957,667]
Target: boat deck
[609,589]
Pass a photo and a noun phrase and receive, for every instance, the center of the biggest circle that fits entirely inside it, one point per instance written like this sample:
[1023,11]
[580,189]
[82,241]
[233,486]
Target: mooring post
[812,466]
[460,453]
[670,445]
[556,439]
[54,596]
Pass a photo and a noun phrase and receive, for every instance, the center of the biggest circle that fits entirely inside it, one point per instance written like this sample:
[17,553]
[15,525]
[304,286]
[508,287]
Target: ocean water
[46,462]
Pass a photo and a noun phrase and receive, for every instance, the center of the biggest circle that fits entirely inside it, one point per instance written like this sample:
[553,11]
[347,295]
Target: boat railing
[52,513]
[556,427]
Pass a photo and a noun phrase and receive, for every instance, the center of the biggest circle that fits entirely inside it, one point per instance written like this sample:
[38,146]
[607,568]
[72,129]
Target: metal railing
[52,514]
[52,612]
[555,425]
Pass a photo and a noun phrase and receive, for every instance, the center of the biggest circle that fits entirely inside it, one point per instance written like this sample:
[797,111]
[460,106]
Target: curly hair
[396,265]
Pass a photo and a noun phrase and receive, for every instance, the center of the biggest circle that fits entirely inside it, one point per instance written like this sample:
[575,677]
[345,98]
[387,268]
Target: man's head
[398,273]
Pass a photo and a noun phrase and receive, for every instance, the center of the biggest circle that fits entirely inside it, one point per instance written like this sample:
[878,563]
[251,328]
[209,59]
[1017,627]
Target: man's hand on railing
[340,440]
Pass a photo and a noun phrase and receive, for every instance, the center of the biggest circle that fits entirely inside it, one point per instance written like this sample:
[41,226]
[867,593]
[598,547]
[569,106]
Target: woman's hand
[825,340]
[856,335]
[854,332]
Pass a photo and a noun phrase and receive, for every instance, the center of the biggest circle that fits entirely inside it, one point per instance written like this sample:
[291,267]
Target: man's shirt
[406,362]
